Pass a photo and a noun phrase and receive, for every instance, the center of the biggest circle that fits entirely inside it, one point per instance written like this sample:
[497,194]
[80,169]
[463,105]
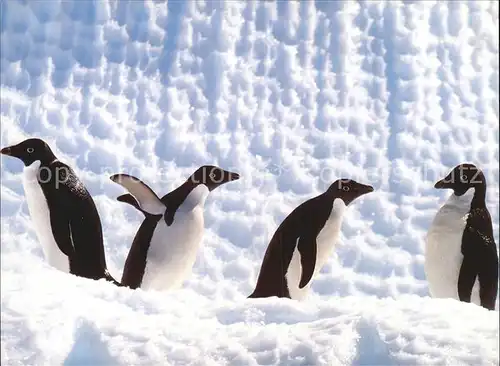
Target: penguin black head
[212,176]
[461,178]
[348,190]
[30,150]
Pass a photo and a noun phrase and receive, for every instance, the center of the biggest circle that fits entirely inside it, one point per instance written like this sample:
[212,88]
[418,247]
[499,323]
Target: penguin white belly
[443,256]
[40,216]
[326,240]
[173,249]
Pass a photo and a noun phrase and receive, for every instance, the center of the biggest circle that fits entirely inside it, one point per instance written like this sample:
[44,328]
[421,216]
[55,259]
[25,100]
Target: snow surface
[291,95]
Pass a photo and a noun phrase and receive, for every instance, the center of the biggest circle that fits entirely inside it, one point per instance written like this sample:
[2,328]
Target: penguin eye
[30,150]
[212,175]
[345,188]
[464,178]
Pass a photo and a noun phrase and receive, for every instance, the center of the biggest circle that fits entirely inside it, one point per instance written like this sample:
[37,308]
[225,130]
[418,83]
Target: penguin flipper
[488,283]
[146,198]
[128,198]
[480,260]
[308,249]
[62,232]
[488,275]
[466,278]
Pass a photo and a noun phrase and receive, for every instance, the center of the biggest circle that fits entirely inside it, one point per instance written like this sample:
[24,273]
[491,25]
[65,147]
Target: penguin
[165,247]
[63,212]
[304,240]
[461,257]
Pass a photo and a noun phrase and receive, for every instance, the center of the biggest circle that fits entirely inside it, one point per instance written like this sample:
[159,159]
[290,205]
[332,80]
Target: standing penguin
[63,212]
[165,247]
[461,259]
[303,242]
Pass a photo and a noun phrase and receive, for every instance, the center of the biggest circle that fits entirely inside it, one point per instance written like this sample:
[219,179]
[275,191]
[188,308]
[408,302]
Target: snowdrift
[52,318]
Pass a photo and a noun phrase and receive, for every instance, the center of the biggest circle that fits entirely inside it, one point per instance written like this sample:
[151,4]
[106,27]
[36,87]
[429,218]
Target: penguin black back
[308,217]
[300,230]
[72,212]
[74,219]
[135,264]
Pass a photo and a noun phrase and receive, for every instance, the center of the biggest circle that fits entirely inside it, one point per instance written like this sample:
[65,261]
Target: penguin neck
[473,198]
[338,207]
[47,163]
[45,160]
[333,197]
[32,169]
[479,198]
[190,195]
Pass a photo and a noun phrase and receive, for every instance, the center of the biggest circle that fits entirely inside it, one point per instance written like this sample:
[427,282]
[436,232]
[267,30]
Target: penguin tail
[108,277]
[254,295]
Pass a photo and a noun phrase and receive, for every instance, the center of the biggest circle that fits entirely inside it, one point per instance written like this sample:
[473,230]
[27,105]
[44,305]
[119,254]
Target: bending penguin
[304,240]
[165,247]
[64,214]
[461,258]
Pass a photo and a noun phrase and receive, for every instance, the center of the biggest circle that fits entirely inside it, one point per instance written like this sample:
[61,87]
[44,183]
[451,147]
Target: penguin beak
[6,151]
[364,189]
[228,177]
[443,183]
[232,176]
[439,184]
[368,189]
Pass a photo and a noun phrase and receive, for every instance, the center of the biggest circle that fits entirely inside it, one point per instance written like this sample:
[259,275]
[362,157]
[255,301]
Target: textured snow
[291,95]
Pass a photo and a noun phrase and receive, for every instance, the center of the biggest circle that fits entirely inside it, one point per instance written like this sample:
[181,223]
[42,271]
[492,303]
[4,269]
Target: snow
[291,95]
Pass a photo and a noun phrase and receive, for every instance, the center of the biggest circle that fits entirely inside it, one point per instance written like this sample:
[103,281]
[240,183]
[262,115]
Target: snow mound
[74,321]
